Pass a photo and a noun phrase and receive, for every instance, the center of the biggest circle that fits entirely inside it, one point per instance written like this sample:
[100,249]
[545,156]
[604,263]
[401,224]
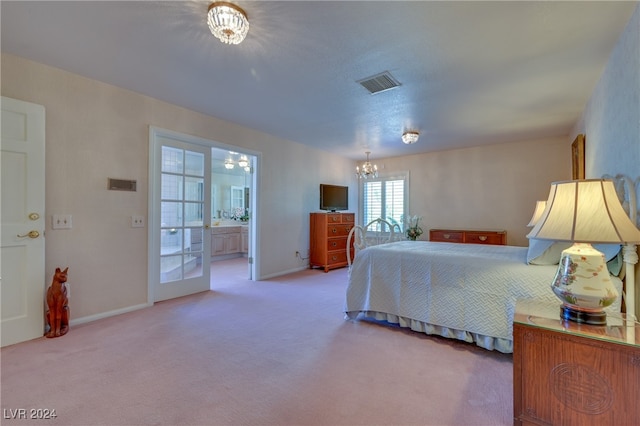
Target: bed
[460,291]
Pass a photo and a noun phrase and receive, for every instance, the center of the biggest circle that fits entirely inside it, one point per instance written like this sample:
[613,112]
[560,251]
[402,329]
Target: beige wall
[95,131]
[490,187]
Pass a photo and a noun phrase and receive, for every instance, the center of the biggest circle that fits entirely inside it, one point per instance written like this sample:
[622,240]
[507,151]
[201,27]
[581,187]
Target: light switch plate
[61,221]
[137,221]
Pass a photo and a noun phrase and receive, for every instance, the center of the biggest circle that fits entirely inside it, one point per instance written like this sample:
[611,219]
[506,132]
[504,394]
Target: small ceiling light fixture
[410,136]
[243,162]
[227,22]
[228,164]
[368,170]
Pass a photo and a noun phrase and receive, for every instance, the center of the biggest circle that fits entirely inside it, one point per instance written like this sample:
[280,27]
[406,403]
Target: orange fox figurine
[58,304]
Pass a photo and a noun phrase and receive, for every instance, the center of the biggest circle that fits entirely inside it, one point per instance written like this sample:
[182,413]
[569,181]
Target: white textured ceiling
[471,72]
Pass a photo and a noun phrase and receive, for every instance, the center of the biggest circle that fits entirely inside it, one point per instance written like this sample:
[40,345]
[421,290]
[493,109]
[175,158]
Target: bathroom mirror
[230,187]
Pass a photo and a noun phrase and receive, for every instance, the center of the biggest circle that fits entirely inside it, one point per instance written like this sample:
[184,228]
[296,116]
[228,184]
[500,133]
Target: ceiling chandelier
[227,22]
[367,170]
[410,136]
[228,164]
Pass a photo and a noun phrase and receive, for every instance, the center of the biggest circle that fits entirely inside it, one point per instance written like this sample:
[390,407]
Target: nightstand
[565,373]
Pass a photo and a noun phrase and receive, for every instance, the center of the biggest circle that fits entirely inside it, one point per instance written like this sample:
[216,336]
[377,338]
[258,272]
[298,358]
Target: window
[237,198]
[384,198]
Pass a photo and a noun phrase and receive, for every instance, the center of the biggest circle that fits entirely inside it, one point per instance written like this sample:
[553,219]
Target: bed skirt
[486,342]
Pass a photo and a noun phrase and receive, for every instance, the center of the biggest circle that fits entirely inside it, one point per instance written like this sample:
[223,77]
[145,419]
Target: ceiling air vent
[379,82]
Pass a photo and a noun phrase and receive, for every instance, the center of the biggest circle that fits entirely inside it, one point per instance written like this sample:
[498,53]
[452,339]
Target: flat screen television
[334,197]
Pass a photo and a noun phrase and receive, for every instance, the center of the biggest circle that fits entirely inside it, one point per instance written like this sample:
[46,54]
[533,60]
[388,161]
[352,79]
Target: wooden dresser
[468,236]
[328,239]
[565,373]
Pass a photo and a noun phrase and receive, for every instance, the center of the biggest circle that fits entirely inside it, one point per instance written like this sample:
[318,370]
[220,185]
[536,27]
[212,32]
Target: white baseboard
[278,274]
[108,314]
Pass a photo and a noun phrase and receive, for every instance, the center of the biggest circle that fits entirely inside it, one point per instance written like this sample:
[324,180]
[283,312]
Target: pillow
[545,252]
[616,307]
[615,265]
[610,250]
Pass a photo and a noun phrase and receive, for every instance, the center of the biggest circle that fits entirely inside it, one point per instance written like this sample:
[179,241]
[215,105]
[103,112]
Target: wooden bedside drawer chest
[328,239]
[565,373]
[468,236]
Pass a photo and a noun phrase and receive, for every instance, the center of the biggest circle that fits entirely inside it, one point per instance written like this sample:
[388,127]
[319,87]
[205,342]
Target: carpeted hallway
[276,352]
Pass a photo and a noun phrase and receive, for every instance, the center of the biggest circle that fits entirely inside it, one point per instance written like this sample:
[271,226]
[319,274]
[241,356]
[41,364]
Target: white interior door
[180,212]
[22,277]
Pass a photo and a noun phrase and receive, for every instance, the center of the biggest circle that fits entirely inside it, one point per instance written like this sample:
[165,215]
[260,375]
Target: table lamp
[584,212]
[537,213]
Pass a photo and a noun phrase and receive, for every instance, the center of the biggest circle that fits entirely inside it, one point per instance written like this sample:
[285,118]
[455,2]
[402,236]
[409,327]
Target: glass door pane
[182,208]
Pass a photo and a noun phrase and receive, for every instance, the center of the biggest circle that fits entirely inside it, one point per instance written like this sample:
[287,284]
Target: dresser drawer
[348,218]
[337,257]
[477,237]
[336,243]
[338,230]
[446,236]
[468,236]
[334,217]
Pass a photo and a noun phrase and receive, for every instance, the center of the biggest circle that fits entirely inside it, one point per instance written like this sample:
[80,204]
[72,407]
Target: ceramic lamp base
[584,285]
[593,318]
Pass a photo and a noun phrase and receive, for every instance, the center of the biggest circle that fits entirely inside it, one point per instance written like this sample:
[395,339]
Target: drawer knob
[334,230]
[334,258]
[334,243]
[482,238]
[447,236]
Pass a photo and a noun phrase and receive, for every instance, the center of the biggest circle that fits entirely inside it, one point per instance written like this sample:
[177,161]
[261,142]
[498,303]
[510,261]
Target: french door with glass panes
[181,201]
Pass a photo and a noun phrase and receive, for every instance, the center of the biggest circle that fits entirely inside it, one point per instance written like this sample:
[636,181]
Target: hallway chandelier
[367,170]
[227,22]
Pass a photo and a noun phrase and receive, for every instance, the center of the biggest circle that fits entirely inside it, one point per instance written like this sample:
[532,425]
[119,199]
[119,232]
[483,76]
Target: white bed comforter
[462,291]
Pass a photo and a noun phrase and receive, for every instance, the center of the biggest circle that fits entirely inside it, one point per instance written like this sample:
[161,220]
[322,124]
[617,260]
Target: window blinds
[384,198]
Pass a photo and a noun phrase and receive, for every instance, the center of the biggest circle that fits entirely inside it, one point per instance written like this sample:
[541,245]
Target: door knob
[30,234]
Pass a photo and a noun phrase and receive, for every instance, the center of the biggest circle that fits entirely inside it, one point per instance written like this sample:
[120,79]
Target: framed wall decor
[577,158]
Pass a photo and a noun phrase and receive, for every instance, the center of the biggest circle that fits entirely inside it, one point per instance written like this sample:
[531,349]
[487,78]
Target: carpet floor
[275,352]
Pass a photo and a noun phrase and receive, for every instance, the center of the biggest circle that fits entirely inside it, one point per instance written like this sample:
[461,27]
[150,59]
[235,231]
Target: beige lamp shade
[537,212]
[586,211]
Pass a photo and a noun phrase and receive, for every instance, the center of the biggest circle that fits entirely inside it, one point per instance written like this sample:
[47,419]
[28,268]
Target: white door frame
[153,236]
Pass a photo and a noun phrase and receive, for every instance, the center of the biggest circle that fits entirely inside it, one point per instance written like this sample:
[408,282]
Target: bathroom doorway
[232,214]
[195,216]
